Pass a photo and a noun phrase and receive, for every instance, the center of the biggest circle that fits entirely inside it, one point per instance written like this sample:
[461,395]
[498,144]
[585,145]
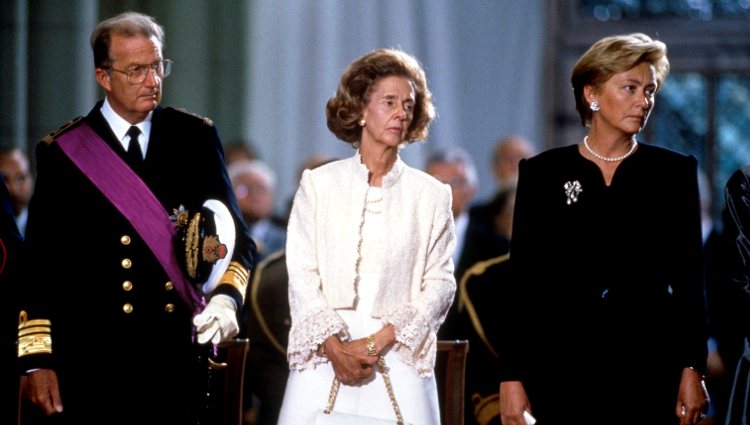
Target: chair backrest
[227,375]
[450,375]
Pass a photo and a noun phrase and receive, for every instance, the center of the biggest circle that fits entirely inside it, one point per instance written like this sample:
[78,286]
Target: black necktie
[135,155]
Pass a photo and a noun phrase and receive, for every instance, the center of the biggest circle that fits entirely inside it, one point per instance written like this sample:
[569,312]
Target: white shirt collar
[120,127]
[461,223]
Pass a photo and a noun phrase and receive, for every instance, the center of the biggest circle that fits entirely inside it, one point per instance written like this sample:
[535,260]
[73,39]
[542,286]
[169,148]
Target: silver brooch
[572,189]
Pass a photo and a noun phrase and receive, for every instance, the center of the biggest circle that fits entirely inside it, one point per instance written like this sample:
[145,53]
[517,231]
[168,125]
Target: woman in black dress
[605,316]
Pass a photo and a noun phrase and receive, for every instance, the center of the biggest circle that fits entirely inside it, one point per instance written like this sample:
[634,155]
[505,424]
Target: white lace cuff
[416,340]
[307,334]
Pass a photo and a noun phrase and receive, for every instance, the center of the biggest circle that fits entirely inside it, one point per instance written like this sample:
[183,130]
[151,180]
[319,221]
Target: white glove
[218,321]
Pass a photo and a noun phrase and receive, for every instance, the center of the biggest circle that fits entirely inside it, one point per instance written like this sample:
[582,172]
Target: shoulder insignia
[208,121]
[51,137]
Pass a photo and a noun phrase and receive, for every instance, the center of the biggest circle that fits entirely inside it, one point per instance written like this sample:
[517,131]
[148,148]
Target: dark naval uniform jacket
[121,336]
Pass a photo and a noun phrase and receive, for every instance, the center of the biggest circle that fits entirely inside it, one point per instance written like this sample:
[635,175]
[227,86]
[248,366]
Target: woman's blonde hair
[612,55]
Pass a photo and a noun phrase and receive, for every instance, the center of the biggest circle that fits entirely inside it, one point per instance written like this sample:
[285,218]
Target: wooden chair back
[450,375]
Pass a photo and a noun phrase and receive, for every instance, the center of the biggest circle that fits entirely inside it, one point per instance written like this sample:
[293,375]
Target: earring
[362,122]
[595,106]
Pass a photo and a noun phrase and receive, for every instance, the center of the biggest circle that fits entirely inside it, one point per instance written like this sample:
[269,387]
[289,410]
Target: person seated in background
[737,231]
[455,167]
[239,150]
[14,165]
[254,185]
[480,288]
[474,240]
[266,321]
[509,151]
[725,343]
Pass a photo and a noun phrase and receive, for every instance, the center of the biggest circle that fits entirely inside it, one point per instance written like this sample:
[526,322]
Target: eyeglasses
[137,74]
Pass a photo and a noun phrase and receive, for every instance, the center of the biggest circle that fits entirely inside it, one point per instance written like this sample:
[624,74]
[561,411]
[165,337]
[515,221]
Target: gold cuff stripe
[34,344]
[238,268]
[34,336]
[237,276]
[34,330]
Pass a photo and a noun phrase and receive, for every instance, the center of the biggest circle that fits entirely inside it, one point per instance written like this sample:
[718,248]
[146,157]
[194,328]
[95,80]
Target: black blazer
[607,286]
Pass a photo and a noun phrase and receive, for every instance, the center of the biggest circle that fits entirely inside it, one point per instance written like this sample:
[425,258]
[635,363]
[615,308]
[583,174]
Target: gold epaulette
[51,137]
[34,336]
[236,275]
[208,121]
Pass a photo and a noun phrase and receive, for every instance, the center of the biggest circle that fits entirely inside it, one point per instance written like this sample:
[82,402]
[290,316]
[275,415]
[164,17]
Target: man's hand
[42,390]
[218,321]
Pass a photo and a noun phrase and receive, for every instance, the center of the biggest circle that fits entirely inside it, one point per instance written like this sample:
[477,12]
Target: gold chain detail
[387,380]
[371,350]
[332,395]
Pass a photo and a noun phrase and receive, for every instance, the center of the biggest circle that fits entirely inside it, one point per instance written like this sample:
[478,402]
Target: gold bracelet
[371,351]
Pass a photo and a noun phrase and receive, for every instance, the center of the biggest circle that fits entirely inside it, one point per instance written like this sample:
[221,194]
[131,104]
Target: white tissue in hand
[218,321]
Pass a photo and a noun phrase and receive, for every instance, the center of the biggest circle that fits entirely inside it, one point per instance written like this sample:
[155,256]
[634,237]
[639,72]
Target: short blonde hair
[343,111]
[612,55]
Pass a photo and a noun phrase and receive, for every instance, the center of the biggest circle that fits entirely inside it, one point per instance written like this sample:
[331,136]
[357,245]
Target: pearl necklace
[607,158]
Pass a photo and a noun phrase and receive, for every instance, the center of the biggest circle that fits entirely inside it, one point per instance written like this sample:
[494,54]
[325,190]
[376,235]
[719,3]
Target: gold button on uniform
[169,308]
[125,240]
[127,285]
[169,285]
[126,263]
[127,308]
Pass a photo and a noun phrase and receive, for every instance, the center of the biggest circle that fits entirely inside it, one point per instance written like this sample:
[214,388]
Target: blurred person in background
[255,186]
[14,166]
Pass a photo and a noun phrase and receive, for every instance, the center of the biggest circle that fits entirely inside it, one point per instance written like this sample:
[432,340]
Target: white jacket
[417,284]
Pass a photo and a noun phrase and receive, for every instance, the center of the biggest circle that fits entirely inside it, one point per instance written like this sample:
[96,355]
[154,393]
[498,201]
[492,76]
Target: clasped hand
[351,363]
[218,321]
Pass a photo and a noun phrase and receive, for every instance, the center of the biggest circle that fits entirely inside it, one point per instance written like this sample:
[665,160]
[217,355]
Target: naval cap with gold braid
[205,245]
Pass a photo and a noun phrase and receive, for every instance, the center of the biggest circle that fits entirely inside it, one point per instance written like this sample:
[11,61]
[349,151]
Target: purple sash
[135,201]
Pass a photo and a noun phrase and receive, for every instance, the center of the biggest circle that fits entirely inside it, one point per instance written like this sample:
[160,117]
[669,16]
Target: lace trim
[309,333]
[416,341]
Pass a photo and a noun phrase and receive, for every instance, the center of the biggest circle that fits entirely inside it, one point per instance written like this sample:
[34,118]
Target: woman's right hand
[350,361]
[513,402]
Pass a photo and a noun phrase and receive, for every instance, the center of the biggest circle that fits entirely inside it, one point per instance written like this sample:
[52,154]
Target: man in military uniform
[111,330]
